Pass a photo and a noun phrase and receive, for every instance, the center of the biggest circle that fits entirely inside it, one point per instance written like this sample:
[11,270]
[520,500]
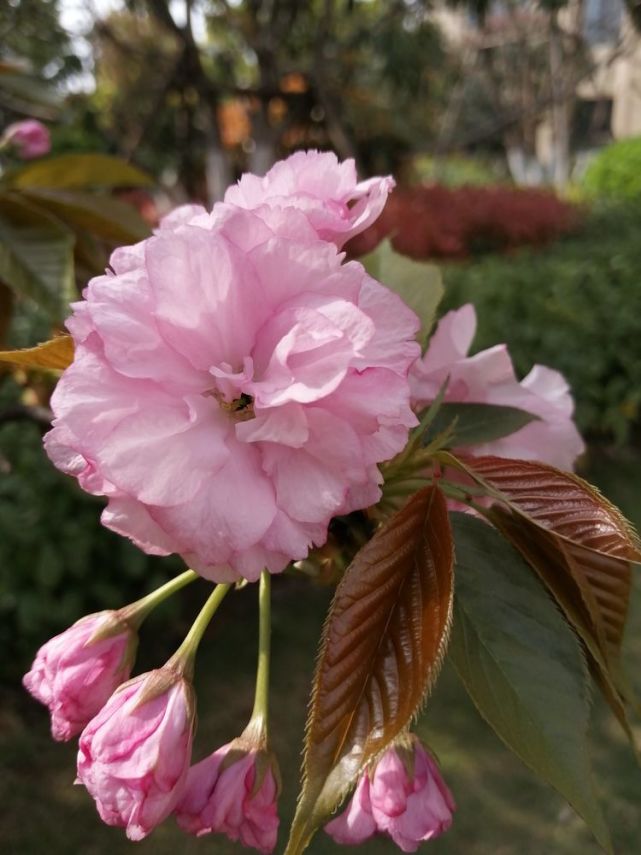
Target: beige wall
[626,93]
[617,78]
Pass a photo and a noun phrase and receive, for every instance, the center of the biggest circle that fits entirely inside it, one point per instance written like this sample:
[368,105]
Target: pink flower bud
[30,137]
[404,797]
[75,672]
[134,755]
[234,792]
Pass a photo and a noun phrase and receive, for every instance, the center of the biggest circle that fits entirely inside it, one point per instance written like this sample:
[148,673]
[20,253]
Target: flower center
[240,409]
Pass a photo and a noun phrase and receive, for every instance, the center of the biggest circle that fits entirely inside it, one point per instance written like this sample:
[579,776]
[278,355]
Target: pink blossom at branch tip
[235,386]
[326,191]
[75,672]
[408,804]
[29,137]
[222,796]
[133,757]
[488,378]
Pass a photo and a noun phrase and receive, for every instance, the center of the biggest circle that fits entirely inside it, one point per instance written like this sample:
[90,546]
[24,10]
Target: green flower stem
[260,713]
[135,613]
[183,658]
[460,494]
[416,436]
[405,488]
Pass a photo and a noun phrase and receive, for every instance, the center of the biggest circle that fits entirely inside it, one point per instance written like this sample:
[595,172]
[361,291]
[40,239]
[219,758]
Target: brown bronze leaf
[594,542]
[580,545]
[382,648]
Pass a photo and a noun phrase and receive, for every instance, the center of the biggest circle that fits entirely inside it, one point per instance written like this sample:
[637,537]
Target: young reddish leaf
[561,502]
[57,353]
[580,545]
[382,648]
[542,552]
[595,541]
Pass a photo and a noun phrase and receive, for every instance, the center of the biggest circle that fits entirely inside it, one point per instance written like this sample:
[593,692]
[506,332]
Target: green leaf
[69,171]
[475,424]
[22,92]
[36,255]
[382,649]
[99,215]
[522,665]
[418,284]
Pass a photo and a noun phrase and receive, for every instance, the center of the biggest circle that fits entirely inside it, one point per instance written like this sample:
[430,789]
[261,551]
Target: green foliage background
[575,306]
[57,562]
[616,171]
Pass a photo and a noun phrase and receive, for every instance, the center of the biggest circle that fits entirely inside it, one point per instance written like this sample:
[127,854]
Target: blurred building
[596,70]
[616,78]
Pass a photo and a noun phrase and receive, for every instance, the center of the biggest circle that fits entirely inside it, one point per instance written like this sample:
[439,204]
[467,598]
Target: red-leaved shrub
[444,222]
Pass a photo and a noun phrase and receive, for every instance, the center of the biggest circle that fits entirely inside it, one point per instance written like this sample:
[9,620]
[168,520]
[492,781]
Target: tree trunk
[263,155]
[561,109]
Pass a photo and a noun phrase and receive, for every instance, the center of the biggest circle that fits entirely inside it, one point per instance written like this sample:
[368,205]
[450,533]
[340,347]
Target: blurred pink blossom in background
[29,137]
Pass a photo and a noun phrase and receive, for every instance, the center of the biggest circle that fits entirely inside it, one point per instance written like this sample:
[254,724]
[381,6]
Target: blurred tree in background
[362,78]
[30,30]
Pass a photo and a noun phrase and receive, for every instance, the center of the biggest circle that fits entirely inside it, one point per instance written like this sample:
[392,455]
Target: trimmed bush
[575,306]
[430,222]
[616,171]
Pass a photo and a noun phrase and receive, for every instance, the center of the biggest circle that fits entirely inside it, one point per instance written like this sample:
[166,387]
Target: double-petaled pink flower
[233,792]
[488,378]
[327,192]
[29,137]
[404,796]
[75,672]
[133,757]
[234,387]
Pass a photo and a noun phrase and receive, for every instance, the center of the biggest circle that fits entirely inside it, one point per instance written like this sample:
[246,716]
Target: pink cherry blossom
[488,378]
[235,385]
[134,755]
[30,138]
[326,191]
[75,672]
[408,806]
[221,795]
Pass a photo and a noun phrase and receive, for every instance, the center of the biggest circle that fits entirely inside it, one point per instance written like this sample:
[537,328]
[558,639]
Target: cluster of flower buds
[402,796]
[135,745]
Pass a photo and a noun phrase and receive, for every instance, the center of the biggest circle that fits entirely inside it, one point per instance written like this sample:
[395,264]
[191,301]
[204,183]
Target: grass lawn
[503,810]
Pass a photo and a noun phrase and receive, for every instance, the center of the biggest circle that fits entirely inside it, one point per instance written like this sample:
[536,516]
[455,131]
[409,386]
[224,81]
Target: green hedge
[616,171]
[56,561]
[575,306]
